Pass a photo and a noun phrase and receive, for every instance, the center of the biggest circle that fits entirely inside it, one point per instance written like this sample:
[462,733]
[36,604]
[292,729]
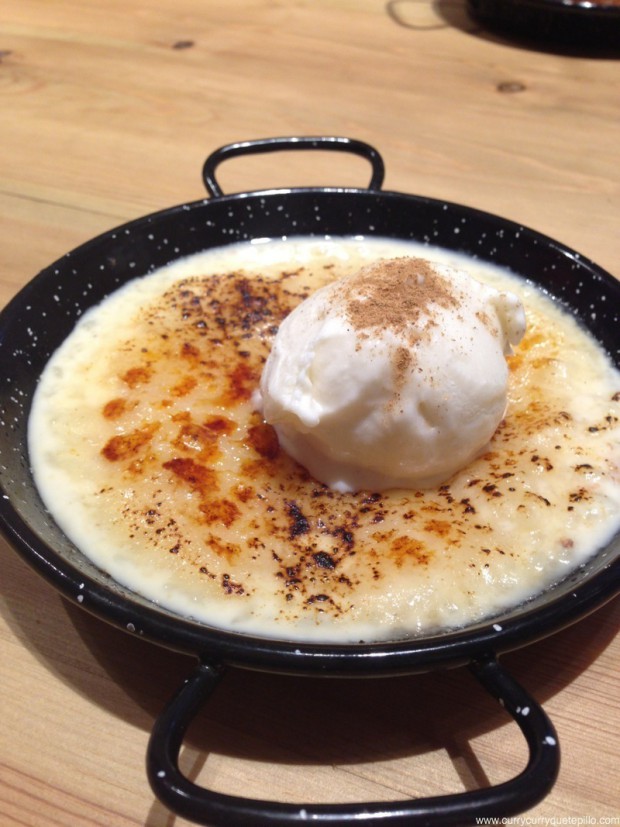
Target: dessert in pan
[319,431]
[311,440]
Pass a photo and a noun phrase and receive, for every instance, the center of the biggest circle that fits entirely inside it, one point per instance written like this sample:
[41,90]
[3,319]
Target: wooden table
[109,110]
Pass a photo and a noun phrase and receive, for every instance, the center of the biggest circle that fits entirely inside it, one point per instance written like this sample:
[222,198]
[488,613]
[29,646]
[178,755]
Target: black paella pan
[39,318]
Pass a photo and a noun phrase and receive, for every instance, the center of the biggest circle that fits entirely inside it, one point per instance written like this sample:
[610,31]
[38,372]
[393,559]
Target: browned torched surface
[192,472]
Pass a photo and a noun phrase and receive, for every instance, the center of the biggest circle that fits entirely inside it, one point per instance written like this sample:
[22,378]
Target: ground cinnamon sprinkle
[402,362]
[395,294]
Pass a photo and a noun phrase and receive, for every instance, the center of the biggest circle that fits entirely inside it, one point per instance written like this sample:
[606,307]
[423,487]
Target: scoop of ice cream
[393,377]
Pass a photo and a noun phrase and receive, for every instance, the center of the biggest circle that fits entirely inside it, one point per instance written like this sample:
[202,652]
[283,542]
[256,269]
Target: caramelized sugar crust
[191,483]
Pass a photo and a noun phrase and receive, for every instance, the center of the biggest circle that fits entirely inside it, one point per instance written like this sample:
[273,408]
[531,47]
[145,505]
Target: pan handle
[263,145]
[205,807]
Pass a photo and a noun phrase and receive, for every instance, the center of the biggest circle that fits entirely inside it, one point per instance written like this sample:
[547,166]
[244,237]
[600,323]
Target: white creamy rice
[147,450]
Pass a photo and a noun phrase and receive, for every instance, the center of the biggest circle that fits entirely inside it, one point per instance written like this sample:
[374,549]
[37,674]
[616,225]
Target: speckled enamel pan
[44,312]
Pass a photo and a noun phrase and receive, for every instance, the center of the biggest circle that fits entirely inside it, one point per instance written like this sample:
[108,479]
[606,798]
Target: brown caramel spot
[219,425]
[264,440]
[115,408]
[244,493]
[189,351]
[441,528]
[219,511]
[126,445]
[137,376]
[242,381]
[185,386]
[197,476]
[409,549]
[192,437]
[223,548]
[181,416]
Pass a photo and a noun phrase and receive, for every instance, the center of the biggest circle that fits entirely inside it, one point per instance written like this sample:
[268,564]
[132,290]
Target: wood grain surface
[109,110]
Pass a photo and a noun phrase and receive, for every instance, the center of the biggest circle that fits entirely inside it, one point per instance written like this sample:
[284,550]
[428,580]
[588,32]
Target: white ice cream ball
[393,377]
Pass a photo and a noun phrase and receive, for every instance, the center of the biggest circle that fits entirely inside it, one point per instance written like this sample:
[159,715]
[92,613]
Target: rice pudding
[148,449]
